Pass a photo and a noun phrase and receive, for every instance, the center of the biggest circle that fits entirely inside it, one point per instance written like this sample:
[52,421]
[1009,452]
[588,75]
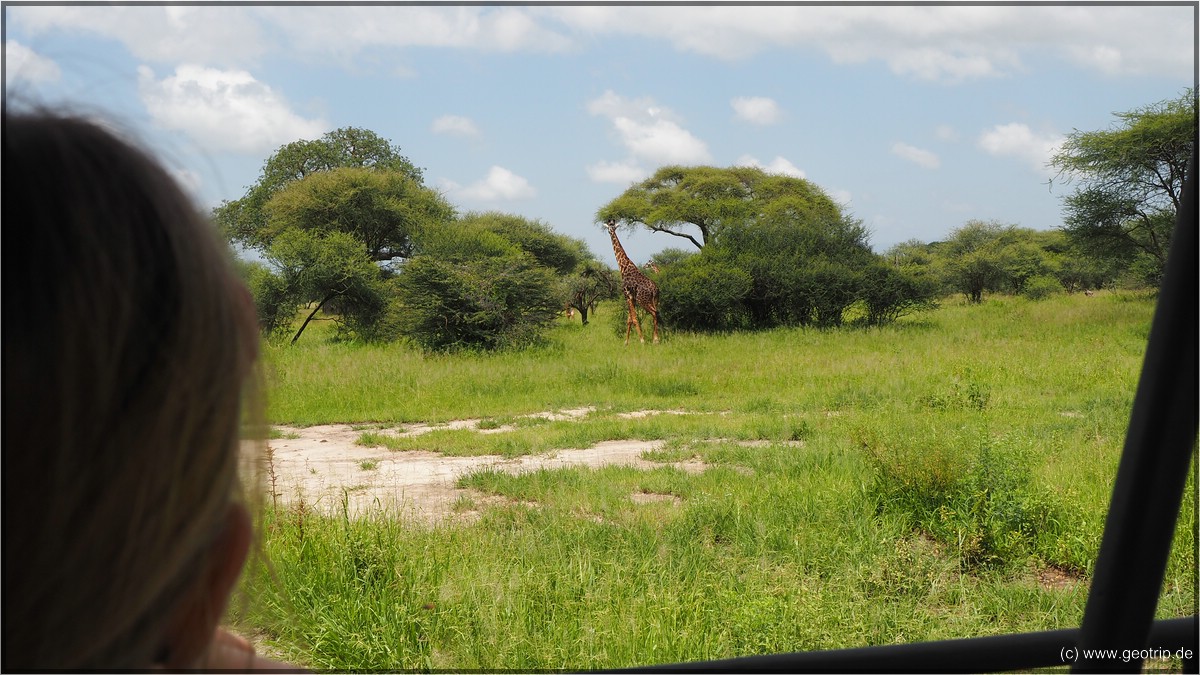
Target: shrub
[275,305]
[830,287]
[971,492]
[487,303]
[890,293]
[1041,287]
[699,293]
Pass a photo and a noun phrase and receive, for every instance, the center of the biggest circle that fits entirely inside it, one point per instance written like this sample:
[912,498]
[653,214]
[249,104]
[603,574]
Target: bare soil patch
[322,467]
[1054,578]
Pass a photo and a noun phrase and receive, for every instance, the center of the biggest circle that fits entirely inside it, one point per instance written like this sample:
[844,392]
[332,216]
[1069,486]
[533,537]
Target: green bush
[699,293]
[971,492]
[890,293]
[831,287]
[275,306]
[1041,287]
[486,303]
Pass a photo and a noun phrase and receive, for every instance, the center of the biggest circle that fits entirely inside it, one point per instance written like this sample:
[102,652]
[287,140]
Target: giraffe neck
[623,262]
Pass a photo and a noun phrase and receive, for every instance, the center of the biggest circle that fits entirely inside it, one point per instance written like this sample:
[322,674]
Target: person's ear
[191,628]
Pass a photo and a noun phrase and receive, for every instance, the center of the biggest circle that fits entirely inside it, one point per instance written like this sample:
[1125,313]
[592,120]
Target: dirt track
[323,466]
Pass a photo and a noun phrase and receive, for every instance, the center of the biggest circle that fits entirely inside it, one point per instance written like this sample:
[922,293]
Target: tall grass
[907,483]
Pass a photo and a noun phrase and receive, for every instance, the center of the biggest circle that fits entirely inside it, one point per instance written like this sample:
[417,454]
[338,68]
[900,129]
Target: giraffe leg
[651,305]
[632,319]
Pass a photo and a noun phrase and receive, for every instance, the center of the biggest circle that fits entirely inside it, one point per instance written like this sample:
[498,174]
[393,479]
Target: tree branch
[689,237]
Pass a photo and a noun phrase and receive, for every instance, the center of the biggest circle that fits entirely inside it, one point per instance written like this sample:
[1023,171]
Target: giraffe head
[611,225]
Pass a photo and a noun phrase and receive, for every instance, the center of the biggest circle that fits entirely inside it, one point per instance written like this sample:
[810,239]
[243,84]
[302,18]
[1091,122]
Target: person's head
[128,339]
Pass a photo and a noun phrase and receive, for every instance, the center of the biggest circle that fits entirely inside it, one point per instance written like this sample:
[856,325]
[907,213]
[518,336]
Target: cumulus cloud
[756,109]
[947,44]
[649,132]
[945,65]
[621,173]
[500,184]
[231,35]
[341,31]
[936,43]
[778,165]
[661,141]
[1018,140]
[22,63]
[218,35]
[922,158]
[223,109]
[455,125]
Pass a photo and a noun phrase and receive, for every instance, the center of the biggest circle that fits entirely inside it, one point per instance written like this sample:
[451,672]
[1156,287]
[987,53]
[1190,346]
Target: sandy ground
[322,466]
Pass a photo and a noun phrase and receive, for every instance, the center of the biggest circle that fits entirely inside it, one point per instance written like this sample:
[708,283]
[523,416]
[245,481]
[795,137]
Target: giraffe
[639,290]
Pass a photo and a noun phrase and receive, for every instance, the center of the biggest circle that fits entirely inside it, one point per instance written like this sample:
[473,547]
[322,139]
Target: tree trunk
[310,317]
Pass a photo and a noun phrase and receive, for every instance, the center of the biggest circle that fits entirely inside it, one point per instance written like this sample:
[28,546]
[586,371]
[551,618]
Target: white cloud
[342,31]
[922,158]
[936,43]
[946,44]
[1018,140]
[945,132]
[230,35]
[22,63]
[455,125]
[218,35]
[842,197]
[651,133]
[926,63]
[778,165]
[756,109]
[223,109]
[661,141]
[621,173]
[500,184]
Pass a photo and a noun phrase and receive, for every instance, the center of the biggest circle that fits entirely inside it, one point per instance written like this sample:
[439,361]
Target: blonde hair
[127,345]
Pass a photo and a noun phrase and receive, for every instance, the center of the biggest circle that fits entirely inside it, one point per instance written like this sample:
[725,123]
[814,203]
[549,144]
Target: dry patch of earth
[323,467]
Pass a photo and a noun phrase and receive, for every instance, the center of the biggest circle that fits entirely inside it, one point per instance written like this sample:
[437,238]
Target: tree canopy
[559,252]
[243,220]
[1130,181]
[992,257]
[711,200]
[485,281]
[382,209]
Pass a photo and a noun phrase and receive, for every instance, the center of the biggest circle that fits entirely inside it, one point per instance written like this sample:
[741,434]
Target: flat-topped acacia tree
[699,203]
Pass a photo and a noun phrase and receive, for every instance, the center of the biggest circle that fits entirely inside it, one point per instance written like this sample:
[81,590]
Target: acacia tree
[324,213]
[711,200]
[559,252]
[382,209]
[322,267]
[592,282]
[773,250]
[469,287]
[243,220]
[1130,181]
[970,259]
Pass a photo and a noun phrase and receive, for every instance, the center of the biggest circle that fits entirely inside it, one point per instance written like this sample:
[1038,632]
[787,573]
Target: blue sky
[917,118]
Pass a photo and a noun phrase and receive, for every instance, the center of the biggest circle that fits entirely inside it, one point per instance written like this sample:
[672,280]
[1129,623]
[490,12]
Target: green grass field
[944,477]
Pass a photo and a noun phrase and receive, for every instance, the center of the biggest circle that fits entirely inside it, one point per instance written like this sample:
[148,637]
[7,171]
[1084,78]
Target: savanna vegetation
[905,446]
[944,476]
